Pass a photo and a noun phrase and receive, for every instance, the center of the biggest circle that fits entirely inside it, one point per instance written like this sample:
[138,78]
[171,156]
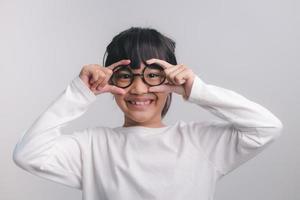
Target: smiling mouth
[140,104]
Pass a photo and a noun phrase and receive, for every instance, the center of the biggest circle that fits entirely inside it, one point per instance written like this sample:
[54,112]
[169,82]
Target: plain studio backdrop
[251,47]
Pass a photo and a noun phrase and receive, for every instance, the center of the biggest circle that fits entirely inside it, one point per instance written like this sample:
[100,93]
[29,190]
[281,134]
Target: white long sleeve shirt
[182,161]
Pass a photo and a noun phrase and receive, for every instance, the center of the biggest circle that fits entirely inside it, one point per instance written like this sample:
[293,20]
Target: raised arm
[44,151]
[245,128]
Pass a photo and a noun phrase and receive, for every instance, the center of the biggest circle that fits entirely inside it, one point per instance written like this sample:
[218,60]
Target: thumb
[110,88]
[168,88]
[115,90]
[161,88]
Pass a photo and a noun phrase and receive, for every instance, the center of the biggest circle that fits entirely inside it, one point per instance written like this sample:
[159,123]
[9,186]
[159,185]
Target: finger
[162,63]
[161,88]
[107,77]
[95,76]
[103,83]
[108,71]
[101,76]
[184,75]
[112,89]
[171,69]
[167,88]
[174,75]
[115,90]
[121,62]
[168,71]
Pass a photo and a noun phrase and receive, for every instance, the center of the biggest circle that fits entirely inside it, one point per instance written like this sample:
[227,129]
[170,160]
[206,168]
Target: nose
[138,86]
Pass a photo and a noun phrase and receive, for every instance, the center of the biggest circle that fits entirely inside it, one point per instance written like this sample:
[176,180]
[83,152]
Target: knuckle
[93,66]
[109,71]
[97,70]
[101,73]
[100,79]
[177,78]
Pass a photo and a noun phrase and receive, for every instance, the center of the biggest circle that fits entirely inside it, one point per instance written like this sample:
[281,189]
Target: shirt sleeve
[243,128]
[44,151]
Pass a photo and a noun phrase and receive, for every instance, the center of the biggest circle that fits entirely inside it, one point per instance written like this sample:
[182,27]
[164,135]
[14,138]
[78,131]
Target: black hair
[140,44]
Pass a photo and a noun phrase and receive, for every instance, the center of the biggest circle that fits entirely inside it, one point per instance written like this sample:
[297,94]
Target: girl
[145,158]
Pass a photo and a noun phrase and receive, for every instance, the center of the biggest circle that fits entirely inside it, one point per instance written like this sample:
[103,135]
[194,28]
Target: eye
[123,76]
[152,75]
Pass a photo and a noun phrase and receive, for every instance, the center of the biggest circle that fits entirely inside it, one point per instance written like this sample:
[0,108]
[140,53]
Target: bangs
[139,45]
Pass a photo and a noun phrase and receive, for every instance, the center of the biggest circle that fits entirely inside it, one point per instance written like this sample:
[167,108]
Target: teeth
[140,102]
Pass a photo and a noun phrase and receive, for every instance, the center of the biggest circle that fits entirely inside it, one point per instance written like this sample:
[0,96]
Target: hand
[180,78]
[96,77]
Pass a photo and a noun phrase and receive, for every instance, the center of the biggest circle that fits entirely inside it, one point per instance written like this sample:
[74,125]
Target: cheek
[161,100]
[120,101]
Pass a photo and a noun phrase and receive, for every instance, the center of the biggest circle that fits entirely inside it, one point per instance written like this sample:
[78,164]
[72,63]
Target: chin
[139,117]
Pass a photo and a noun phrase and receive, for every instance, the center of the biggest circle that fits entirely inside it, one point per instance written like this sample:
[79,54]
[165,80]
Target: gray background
[251,47]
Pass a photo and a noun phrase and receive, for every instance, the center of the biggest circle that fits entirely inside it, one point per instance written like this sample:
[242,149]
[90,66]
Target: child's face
[149,105]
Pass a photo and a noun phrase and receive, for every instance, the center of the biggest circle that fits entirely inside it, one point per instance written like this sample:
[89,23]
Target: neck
[151,123]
